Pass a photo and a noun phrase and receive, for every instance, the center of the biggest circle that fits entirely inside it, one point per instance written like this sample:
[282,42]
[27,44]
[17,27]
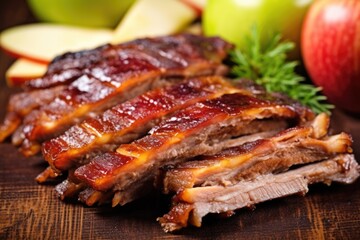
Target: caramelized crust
[219,146]
[146,185]
[168,52]
[294,146]
[22,104]
[193,131]
[124,72]
[69,66]
[128,121]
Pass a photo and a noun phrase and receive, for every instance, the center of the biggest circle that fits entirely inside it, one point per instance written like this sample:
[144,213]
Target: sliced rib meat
[128,121]
[198,129]
[71,187]
[167,51]
[69,66]
[294,146]
[23,103]
[128,73]
[192,204]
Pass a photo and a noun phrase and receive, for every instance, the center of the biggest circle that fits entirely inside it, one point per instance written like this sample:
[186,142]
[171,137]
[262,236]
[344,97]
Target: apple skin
[197,5]
[233,19]
[41,42]
[23,70]
[331,50]
[86,13]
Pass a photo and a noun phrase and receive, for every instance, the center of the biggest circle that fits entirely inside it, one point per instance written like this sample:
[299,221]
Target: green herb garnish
[268,66]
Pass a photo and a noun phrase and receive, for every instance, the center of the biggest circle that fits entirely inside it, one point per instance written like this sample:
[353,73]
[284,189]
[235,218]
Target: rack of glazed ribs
[119,121]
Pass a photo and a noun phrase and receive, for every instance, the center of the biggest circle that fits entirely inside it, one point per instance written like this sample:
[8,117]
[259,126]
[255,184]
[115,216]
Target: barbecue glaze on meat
[192,204]
[72,187]
[299,145]
[123,73]
[168,52]
[71,65]
[128,121]
[122,120]
[22,104]
[198,129]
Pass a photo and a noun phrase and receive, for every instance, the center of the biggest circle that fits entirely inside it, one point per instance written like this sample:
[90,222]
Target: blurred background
[13,13]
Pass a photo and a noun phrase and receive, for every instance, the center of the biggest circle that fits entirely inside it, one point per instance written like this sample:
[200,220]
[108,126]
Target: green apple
[233,19]
[87,13]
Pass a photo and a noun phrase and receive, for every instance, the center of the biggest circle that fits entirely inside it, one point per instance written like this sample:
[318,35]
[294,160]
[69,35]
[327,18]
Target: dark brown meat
[69,66]
[198,129]
[291,147]
[128,121]
[192,204]
[128,72]
[70,188]
[168,52]
[22,104]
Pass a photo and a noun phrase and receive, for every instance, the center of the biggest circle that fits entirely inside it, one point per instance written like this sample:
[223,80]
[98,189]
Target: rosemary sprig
[267,66]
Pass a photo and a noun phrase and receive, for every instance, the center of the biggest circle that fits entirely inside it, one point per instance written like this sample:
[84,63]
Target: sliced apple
[41,42]
[23,70]
[197,5]
[150,18]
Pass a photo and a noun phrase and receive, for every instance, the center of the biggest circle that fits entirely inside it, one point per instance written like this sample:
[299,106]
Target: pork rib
[192,204]
[21,104]
[129,72]
[128,121]
[198,129]
[72,65]
[69,66]
[294,146]
[71,187]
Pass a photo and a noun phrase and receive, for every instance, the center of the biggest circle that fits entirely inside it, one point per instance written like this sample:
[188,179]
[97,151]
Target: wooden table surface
[32,211]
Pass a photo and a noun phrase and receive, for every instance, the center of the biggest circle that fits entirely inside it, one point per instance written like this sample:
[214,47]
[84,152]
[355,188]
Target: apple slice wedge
[23,70]
[197,5]
[150,18]
[41,42]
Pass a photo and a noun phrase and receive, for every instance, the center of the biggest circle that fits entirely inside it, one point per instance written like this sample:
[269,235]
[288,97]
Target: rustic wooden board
[32,211]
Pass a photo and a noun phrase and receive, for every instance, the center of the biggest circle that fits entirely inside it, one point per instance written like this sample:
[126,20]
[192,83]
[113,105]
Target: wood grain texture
[32,211]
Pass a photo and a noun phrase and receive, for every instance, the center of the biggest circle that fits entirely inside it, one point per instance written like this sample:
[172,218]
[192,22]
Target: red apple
[331,50]
[197,5]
